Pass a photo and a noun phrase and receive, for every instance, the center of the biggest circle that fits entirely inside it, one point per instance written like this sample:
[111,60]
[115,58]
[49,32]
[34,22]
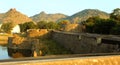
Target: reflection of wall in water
[17,53]
[23,47]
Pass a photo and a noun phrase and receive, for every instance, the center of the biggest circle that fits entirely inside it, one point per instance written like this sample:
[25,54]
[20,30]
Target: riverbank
[4,38]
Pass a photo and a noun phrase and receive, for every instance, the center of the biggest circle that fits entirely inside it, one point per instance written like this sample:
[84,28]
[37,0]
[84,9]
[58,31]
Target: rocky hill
[1,15]
[85,14]
[14,16]
[47,17]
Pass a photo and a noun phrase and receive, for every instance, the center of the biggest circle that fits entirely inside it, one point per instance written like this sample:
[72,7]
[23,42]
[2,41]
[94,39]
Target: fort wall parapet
[81,43]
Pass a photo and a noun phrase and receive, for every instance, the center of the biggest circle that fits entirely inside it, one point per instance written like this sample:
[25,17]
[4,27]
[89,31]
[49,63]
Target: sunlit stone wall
[82,43]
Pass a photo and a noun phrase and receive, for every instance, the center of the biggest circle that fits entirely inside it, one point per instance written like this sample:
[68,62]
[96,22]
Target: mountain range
[17,17]
[48,17]
[14,16]
[85,14]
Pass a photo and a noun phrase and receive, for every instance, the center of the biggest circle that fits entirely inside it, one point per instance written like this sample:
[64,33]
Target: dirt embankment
[4,38]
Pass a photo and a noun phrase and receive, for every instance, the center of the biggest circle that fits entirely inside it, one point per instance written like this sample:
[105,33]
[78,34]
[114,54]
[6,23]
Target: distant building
[16,29]
[0,26]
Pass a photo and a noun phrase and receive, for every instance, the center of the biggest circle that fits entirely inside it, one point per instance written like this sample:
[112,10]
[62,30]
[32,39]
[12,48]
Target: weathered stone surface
[23,47]
[84,43]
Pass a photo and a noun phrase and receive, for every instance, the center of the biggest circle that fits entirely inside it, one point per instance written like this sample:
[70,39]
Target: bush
[50,47]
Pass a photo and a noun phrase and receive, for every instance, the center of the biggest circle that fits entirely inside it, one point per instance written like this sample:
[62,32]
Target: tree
[104,26]
[52,25]
[63,23]
[7,27]
[116,30]
[48,25]
[22,27]
[115,14]
[90,23]
[41,24]
[100,26]
[27,25]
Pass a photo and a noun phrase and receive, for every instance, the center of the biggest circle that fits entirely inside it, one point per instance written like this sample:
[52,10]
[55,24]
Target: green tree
[116,30]
[52,25]
[104,26]
[115,14]
[42,24]
[63,23]
[100,26]
[27,25]
[22,27]
[7,27]
[48,25]
[90,23]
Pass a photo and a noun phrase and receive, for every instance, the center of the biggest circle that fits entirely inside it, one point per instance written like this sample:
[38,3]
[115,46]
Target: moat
[3,53]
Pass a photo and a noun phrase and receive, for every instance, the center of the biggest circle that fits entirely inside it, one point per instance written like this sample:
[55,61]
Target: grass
[50,47]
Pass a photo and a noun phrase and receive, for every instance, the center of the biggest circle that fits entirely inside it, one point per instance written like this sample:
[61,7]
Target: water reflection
[3,53]
[19,53]
[7,53]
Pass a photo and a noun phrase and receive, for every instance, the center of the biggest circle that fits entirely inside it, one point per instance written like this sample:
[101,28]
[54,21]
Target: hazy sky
[68,7]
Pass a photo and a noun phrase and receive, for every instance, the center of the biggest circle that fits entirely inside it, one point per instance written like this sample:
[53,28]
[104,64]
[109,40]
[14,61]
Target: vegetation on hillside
[48,25]
[104,26]
[85,14]
[95,21]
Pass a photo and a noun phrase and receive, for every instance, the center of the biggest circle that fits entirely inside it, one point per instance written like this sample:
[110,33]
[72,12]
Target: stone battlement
[82,43]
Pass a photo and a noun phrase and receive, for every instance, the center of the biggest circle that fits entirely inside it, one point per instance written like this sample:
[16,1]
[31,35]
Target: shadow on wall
[19,53]
[83,43]
[23,47]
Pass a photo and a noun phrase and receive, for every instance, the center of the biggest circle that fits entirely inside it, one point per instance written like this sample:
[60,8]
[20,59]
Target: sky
[68,7]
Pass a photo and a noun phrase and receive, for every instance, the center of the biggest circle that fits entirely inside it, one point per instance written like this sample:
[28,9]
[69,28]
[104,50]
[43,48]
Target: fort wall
[81,43]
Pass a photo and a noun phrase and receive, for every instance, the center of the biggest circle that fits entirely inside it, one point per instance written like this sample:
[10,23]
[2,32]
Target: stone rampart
[25,47]
[82,43]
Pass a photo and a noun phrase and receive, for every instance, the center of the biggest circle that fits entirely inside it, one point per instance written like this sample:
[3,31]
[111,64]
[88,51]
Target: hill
[14,16]
[1,15]
[47,17]
[85,14]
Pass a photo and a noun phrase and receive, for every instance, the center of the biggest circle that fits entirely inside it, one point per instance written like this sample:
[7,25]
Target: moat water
[3,53]
[7,53]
